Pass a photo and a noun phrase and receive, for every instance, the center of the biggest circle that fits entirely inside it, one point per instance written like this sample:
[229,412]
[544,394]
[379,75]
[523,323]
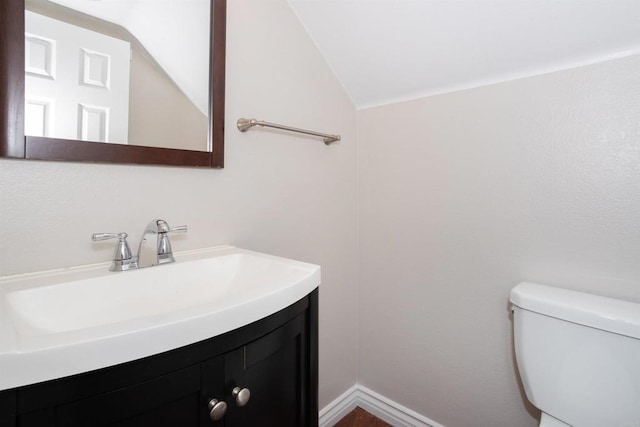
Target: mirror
[158,102]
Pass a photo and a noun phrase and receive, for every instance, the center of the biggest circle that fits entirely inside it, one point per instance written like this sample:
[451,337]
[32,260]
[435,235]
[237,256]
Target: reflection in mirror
[123,72]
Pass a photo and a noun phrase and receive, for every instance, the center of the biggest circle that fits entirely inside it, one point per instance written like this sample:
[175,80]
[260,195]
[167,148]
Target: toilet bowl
[578,356]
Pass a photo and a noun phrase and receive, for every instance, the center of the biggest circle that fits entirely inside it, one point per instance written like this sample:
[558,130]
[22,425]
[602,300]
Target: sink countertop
[64,322]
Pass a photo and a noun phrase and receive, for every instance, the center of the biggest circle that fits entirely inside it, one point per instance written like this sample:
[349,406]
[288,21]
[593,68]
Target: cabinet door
[274,369]
[8,406]
[166,401]
[212,380]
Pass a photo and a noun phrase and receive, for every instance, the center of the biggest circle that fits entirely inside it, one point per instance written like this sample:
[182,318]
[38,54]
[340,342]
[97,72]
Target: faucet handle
[165,253]
[178,229]
[106,236]
[122,258]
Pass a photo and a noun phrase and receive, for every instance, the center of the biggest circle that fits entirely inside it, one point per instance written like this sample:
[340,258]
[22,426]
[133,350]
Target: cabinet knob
[241,395]
[217,409]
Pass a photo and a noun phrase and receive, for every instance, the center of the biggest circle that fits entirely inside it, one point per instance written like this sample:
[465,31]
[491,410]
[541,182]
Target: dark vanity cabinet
[266,374]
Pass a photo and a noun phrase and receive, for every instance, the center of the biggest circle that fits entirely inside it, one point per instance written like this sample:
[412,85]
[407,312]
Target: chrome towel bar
[246,124]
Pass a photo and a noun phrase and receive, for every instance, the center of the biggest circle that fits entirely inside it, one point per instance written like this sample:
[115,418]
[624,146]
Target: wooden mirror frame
[14,143]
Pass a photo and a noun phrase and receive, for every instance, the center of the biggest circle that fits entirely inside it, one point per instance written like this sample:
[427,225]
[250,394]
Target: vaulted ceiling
[391,50]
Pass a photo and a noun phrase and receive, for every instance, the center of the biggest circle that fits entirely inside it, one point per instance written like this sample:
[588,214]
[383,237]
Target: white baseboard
[378,405]
[339,408]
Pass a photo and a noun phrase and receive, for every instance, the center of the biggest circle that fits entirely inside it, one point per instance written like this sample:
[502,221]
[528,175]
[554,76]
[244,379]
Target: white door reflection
[168,65]
[83,73]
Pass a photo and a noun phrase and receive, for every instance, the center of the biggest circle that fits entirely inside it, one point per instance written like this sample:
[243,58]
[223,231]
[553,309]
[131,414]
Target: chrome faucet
[148,253]
[122,258]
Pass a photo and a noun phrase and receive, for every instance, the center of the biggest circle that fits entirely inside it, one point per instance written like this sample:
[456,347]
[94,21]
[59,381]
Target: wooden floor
[361,418]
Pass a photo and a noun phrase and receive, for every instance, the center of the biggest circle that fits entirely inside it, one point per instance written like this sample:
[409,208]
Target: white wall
[462,196]
[279,193]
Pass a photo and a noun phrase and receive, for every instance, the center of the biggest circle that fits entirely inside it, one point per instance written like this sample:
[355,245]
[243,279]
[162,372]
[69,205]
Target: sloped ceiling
[385,51]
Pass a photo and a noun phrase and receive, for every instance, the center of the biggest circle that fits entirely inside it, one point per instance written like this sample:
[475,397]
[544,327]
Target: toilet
[578,356]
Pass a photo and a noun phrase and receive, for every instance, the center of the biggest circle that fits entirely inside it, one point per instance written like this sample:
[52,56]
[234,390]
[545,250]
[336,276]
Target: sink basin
[217,282]
[66,322]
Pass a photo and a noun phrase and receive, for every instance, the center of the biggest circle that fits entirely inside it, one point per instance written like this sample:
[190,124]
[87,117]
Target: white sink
[65,322]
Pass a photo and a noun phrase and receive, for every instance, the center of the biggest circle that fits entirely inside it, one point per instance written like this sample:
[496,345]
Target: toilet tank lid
[608,314]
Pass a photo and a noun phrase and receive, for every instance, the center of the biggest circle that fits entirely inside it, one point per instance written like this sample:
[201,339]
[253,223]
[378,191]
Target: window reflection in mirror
[134,72]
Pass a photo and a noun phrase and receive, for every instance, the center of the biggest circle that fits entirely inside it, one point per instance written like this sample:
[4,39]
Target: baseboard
[339,408]
[378,405]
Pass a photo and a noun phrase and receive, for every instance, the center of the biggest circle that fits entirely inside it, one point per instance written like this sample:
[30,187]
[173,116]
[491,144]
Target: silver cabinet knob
[241,395]
[217,409]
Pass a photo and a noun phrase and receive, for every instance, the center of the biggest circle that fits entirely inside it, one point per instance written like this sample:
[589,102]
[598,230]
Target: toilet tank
[578,355]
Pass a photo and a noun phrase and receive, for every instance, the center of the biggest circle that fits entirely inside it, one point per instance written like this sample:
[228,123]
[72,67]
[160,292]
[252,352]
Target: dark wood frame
[14,144]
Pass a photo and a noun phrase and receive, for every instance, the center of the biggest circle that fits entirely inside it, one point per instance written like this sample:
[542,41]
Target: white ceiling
[392,50]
